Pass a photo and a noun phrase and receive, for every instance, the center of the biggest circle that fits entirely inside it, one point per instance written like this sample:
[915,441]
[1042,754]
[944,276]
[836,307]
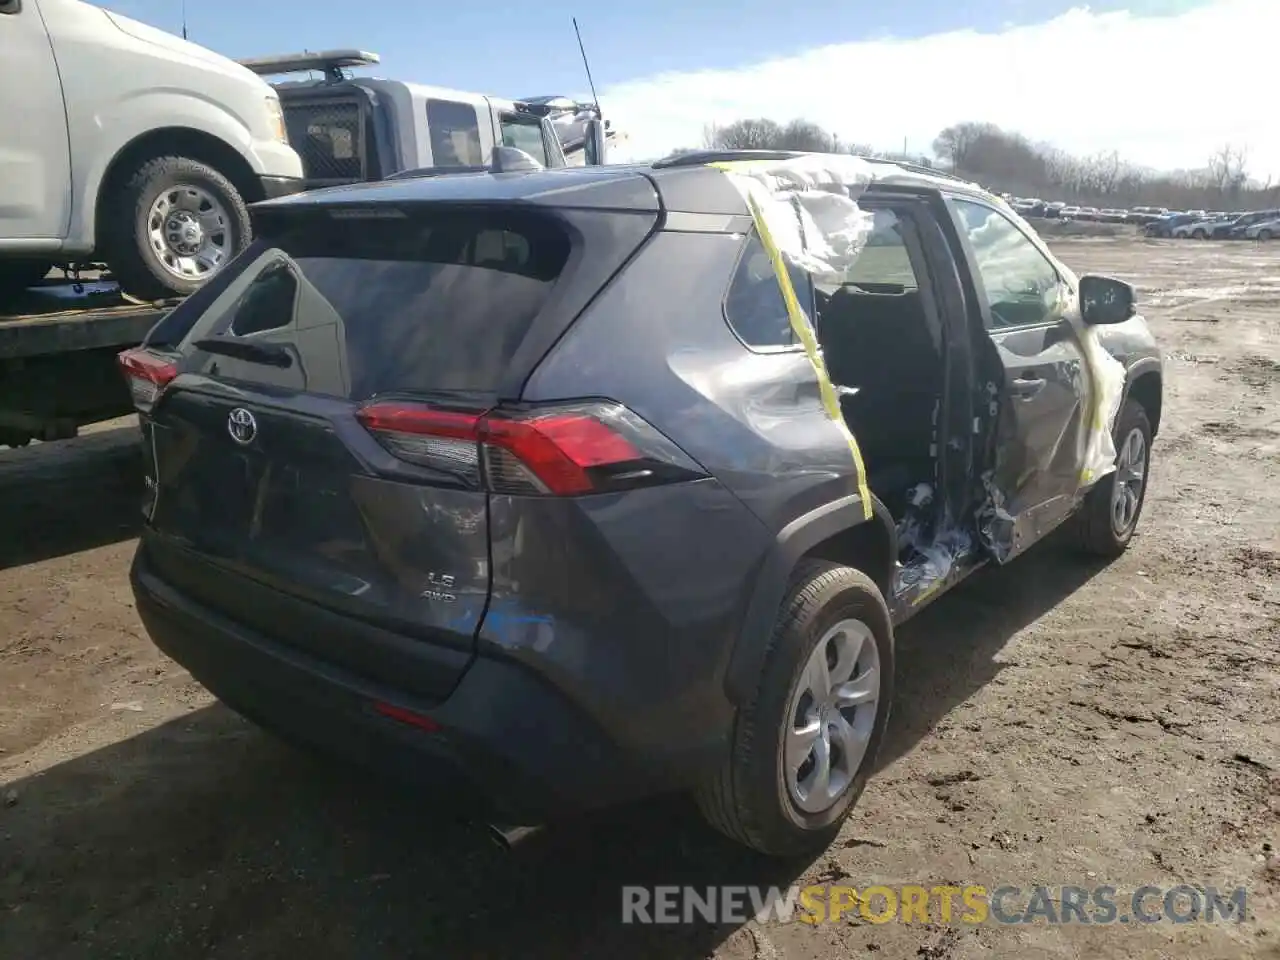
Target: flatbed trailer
[58,347]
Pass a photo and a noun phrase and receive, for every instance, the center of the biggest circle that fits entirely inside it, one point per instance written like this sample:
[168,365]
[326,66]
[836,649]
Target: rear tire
[755,798]
[174,225]
[1097,526]
[1199,235]
[1264,235]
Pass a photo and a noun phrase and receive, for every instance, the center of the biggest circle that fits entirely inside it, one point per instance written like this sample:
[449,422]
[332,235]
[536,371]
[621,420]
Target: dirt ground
[1056,723]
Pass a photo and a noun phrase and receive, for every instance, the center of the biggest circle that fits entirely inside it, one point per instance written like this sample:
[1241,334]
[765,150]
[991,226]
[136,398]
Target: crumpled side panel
[807,212]
[1108,376]
[804,212]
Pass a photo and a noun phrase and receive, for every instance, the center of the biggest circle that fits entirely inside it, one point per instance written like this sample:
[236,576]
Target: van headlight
[275,114]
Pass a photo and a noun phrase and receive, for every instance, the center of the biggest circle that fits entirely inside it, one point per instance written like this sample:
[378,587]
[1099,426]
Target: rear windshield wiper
[270,354]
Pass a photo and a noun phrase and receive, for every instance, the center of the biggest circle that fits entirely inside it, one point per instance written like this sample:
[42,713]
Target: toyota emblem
[242,426]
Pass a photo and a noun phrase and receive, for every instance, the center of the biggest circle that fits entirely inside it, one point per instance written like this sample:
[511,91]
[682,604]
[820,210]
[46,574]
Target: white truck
[127,145]
[121,145]
[351,128]
[165,143]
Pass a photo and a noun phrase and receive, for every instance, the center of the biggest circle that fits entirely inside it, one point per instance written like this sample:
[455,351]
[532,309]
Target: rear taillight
[146,374]
[562,451]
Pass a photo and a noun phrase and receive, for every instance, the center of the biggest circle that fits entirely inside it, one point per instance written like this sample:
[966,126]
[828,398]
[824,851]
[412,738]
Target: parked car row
[1061,210]
[1254,225]
[1161,221]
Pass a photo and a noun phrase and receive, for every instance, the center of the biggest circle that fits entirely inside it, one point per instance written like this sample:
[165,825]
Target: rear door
[1046,391]
[280,489]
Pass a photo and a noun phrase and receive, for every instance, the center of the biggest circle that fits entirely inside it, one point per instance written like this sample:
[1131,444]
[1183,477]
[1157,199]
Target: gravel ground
[1056,723]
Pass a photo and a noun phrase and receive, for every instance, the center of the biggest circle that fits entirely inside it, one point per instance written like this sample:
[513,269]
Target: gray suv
[527,481]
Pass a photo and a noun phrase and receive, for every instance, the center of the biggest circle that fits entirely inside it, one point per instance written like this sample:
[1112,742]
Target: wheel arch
[1145,384]
[176,142]
[838,532]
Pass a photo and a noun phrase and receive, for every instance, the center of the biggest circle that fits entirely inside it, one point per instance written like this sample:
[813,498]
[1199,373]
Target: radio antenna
[586,66]
[184,19]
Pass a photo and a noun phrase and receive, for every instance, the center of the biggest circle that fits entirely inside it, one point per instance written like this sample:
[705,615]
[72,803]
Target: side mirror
[595,145]
[1105,300]
[10,6]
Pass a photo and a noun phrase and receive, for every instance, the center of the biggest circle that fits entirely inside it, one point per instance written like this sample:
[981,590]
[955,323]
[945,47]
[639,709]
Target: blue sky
[463,45]
[1079,77]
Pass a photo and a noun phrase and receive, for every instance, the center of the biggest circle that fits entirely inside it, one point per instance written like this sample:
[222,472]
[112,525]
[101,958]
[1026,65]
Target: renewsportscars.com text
[939,903]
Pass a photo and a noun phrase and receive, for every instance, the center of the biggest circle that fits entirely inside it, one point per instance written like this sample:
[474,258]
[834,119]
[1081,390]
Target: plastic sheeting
[811,209]
[808,205]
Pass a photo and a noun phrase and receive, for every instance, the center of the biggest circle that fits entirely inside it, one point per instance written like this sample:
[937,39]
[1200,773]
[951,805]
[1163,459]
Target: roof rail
[696,158]
[505,160]
[547,105]
[917,168]
[330,62]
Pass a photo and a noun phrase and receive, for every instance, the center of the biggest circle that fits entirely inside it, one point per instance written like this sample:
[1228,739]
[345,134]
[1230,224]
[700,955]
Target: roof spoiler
[331,63]
[505,160]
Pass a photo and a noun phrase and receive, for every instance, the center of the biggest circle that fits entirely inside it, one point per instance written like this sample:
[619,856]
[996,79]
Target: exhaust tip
[508,837]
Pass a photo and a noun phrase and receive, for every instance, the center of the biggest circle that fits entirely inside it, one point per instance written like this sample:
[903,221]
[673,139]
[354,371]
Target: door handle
[1025,388]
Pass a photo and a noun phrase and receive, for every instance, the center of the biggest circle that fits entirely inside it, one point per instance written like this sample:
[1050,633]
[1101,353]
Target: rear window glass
[367,306]
[754,305]
[328,138]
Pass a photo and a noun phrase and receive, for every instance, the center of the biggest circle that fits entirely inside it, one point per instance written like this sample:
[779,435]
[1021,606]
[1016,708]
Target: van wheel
[1264,235]
[177,223]
[1106,520]
[805,743]
[17,275]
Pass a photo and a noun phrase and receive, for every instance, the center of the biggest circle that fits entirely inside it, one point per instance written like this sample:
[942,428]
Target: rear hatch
[297,491]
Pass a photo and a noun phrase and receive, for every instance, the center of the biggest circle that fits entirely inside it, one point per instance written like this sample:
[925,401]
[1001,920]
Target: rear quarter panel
[656,583]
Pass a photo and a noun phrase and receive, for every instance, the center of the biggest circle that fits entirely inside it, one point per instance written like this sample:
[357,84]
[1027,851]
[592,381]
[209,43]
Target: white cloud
[1165,91]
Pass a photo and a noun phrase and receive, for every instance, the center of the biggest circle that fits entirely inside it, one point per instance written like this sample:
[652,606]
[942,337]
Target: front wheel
[1199,235]
[176,223]
[1264,235]
[805,743]
[1109,515]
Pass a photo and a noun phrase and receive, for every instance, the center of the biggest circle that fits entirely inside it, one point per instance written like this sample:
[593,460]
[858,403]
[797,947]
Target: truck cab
[351,128]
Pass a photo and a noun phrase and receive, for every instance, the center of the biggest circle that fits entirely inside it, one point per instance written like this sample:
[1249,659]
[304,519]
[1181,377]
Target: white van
[124,144]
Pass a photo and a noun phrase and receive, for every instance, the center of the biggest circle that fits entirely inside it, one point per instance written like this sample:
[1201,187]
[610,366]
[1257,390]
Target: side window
[524,134]
[268,302]
[455,134]
[327,137]
[884,261]
[754,306]
[1023,287]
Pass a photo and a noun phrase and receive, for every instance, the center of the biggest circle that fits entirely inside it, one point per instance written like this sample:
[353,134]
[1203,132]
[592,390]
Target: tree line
[1008,162]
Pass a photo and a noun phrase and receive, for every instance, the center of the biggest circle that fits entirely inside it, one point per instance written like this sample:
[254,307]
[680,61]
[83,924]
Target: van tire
[748,798]
[135,247]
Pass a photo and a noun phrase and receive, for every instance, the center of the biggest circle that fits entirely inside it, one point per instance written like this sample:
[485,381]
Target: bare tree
[956,143]
[750,134]
[805,135]
[1008,162]
[1227,170]
[764,134]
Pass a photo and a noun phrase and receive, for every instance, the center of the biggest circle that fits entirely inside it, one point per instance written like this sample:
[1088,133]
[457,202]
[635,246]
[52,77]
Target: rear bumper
[276,187]
[509,745]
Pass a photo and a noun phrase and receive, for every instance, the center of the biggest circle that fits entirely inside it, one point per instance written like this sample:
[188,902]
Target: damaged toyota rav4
[567,487]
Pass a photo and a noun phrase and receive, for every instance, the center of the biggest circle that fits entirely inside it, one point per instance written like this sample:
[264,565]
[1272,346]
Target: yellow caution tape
[803,330]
